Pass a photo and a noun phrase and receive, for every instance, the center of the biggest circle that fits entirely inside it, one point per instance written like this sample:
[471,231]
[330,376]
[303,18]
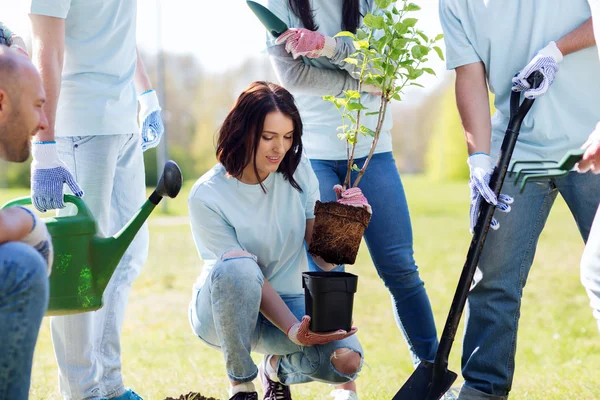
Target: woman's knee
[346,361]
[237,269]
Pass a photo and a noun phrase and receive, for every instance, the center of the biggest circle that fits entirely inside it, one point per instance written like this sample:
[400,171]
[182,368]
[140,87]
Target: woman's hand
[307,43]
[301,334]
[352,197]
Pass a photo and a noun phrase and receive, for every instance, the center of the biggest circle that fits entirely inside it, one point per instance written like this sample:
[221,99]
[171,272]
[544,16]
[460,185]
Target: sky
[217,38]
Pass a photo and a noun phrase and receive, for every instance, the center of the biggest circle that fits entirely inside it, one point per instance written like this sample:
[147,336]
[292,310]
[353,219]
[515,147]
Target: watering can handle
[82,209]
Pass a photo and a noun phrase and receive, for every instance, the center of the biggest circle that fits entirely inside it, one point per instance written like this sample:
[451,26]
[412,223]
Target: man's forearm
[48,56]
[472,100]
[580,38]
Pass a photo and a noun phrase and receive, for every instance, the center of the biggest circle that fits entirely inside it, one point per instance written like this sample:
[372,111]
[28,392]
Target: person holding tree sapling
[312,63]
[250,217]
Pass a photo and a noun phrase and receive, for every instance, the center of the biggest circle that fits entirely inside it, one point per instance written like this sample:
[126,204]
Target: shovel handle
[518,113]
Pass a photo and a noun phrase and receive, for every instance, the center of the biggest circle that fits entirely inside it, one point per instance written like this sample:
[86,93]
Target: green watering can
[85,262]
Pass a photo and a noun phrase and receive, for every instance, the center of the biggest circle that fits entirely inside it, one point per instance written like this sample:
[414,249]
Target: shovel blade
[421,385]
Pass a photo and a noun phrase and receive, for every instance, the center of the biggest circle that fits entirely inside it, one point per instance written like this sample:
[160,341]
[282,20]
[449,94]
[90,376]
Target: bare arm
[300,78]
[274,308]
[472,100]
[580,38]
[324,265]
[15,224]
[140,78]
[48,38]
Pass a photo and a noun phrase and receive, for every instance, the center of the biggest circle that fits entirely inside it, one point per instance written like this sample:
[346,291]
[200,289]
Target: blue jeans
[493,307]
[390,243]
[23,302]
[225,314]
[110,170]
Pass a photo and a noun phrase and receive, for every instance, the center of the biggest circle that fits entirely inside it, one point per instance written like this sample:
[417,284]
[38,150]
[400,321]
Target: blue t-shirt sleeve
[459,50]
[212,234]
[50,8]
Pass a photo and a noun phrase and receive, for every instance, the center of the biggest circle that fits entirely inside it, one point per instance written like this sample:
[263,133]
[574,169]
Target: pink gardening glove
[352,197]
[304,42]
[300,334]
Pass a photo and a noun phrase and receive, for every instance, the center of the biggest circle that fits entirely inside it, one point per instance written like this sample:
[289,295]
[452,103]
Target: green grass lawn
[558,350]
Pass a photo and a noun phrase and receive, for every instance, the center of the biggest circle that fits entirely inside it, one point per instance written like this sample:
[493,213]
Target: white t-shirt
[226,214]
[97,95]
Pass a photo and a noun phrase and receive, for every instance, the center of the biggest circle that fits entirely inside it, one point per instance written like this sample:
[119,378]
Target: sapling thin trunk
[389,48]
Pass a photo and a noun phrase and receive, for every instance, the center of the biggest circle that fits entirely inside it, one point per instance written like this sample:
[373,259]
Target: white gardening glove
[40,239]
[546,61]
[48,175]
[152,127]
[481,168]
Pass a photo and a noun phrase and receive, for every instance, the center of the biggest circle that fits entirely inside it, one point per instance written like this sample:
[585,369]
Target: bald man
[25,246]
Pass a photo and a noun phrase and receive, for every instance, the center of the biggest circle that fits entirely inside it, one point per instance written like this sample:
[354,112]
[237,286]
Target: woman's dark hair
[242,130]
[350,14]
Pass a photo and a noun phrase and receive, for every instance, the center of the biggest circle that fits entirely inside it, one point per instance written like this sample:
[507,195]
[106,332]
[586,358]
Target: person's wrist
[148,102]
[552,50]
[480,160]
[329,46]
[44,153]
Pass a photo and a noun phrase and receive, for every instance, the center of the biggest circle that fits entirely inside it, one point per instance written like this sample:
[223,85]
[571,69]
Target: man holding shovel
[86,52]
[487,44]
[25,245]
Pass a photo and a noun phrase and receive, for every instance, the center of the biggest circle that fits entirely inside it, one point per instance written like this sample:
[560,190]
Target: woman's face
[276,140]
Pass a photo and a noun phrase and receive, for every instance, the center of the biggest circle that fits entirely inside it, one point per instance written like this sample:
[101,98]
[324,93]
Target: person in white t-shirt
[94,79]
[495,46]
[251,216]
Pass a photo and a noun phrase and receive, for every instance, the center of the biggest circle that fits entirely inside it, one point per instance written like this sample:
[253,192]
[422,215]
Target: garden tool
[83,261]
[544,169]
[274,25]
[430,381]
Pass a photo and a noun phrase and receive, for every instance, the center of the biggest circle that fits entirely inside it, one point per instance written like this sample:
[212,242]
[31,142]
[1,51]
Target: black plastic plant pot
[329,298]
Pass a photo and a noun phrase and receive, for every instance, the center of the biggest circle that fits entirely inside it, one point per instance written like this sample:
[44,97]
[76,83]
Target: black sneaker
[273,390]
[245,396]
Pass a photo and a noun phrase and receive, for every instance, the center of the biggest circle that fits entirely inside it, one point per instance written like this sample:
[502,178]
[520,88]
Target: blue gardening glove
[546,61]
[481,168]
[152,127]
[48,175]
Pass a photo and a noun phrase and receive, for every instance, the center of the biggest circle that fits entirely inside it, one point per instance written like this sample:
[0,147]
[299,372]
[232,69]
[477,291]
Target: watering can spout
[107,252]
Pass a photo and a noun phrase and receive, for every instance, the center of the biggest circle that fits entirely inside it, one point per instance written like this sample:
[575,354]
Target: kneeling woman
[251,215]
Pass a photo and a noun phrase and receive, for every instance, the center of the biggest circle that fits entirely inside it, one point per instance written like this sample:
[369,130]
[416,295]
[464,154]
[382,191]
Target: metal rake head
[544,169]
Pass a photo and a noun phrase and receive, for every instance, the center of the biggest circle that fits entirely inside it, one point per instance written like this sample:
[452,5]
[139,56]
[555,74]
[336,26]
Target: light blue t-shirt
[320,118]
[506,35]
[97,94]
[226,214]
